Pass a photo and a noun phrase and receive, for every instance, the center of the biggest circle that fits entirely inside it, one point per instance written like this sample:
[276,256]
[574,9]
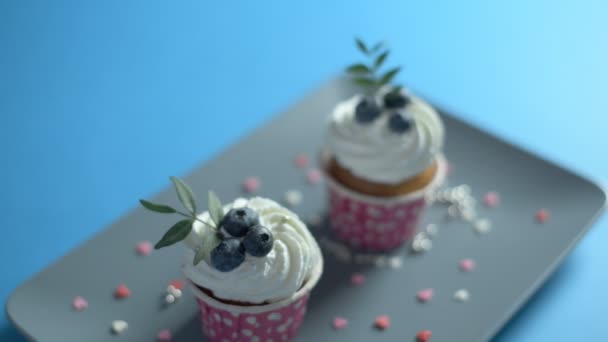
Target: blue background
[101,101]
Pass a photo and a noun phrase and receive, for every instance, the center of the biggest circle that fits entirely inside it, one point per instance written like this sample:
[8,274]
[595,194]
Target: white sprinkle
[482,226]
[251,320]
[169,299]
[462,295]
[228,322]
[177,293]
[246,332]
[118,327]
[426,244]
[255,339]
[395,262]
[293,197]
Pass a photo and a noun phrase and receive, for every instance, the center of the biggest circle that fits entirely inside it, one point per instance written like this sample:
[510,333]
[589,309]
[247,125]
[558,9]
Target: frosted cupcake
[383,155]
[252,265]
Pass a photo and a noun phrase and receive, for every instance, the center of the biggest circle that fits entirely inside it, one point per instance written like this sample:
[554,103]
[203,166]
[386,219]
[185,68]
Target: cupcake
[383,155]
[252,265]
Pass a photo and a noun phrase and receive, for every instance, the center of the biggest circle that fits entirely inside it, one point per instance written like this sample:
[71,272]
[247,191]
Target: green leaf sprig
[369,76]
[180,230]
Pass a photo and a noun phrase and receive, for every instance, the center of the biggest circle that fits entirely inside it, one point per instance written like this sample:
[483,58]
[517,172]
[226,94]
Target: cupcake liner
[278,321]
[375,223]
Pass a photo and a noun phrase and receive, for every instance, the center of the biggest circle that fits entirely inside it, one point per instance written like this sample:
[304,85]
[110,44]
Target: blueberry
[228,255]
[258,242]
[399,124]
[367,110]
[395,99]
[238,220]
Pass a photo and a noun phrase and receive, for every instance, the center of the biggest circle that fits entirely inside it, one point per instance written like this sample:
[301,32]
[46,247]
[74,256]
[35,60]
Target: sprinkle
[144,248]
[462,295]
[80,304]
[315,220]
[178,284]
[423,336]
[467,265]
[251,184]
[357,279]
[314,176]
[293,197]
[491,199]
[177,293]
[542,216]
[482,226]
[118,327]
[164,335]
[170,299]
[122,291]
[395,262]
[382,322]
[301,160]
[425,295]
[340,323]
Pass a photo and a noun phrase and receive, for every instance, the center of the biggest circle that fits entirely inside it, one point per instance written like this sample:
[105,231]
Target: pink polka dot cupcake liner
[374,223]
[278,321]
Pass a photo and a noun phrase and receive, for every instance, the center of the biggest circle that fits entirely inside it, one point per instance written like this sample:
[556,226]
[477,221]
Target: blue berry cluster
[368,110]
[246,235]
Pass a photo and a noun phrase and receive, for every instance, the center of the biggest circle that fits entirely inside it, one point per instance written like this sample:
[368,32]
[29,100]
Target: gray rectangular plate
[513,259]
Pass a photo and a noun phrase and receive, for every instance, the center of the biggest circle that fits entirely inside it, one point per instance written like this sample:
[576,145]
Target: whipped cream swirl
[373,152]
[268,279]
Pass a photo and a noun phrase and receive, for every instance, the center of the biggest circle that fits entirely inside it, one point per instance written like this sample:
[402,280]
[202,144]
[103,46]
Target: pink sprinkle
[382,322]
[314,176]
[80,304]
[491,199]
[122,291]
[251,184]
[542,216]
[357,279]
[164,335]
[178,284]
[144,248]
[302,160]
[425,295]
[340,323]
[467,265]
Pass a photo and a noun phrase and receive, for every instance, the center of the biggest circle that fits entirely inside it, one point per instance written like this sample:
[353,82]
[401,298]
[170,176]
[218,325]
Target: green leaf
[159,208]
[389,75]
[377,47]
[216,211]
[185,195]
[380,59]
[364,81]
[361,45]
[358,69]
[177,233]
[210,242]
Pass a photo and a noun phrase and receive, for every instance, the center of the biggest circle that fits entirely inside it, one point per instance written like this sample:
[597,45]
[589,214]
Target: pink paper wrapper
[375,223]
[278,321]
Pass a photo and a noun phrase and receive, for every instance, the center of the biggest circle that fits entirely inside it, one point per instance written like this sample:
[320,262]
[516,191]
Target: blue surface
[101,101]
